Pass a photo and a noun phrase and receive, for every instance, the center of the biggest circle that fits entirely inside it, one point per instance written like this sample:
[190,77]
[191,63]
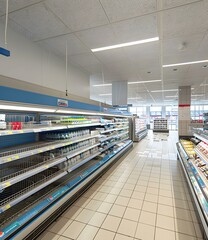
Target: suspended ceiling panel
[124,9]
[16,4]
[79,14]
[176,3]
[74,45]
[41,22]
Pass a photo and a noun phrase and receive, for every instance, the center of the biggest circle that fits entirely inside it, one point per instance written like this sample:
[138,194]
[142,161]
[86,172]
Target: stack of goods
[188,147]
[75,120]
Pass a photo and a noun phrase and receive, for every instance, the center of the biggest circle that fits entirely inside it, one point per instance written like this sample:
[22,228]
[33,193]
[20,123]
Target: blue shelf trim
[7,231]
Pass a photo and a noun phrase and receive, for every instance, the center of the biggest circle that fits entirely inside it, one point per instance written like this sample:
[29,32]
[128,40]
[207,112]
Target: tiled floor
[142,197]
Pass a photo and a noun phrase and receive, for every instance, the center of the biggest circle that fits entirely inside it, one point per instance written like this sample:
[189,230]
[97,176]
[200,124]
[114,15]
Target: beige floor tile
[72,212]
[181,204]
[138,195]
[100,196]
[149,207]
[165,187]
[165,201]
[165,193]
[184,227]
[97,219]
[73,230]
[147,218]
[117,210]
[104,235]
[135,203]
[194,217]
[89,194]
[82,202]
[151,198]
[63,238]
[180,236]
[115,191]
[151,190]
[140,188]
[142,183]
[182,214]
[132,214]
[127,227]
[111,223]
[110,198]
[163,234]
[48,235]
[122,237]
[93,205]
[105,207]
[198,230]
[88,233]
[59,226]
[165,210]
[126,193]
[129,186]
[85,216]
[165,222]
[145,232]
[105,189]
[123,201]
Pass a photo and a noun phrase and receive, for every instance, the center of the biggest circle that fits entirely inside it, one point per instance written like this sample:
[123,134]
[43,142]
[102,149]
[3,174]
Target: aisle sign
[62,103]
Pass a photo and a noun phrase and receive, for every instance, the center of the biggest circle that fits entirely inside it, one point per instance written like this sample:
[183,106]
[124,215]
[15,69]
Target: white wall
[29,62]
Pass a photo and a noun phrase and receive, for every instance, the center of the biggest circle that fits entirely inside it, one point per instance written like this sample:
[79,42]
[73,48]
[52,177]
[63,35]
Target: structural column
[163,111]
[184,113]
[119,93]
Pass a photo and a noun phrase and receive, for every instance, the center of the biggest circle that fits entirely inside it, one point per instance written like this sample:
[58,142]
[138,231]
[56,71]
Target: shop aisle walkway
[143,196]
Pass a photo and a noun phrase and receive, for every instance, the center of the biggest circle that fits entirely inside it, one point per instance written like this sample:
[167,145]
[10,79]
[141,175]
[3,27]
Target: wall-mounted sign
[62,103]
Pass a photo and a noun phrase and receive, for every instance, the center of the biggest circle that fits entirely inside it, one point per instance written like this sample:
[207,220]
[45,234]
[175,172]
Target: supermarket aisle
[142,197]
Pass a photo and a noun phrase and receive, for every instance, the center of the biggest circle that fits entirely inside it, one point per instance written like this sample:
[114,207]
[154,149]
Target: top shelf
[45,129]
[203,138]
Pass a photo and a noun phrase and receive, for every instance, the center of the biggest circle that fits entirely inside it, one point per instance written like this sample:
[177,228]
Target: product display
[160,125]
[56,158]
[139,129]
[193,155]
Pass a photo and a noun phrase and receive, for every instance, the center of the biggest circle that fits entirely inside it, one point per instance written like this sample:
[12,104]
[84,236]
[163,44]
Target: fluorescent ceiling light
[102,85]
[125,44]
[171,96]
[149,81]
[184,63]
[134,98]
[22,108]
[167,90]
[105,94]
[197,95]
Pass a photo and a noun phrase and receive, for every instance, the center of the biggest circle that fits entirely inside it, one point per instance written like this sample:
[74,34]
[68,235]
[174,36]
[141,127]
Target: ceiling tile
[16,4]
[40,21]
[176,23]
[111,56]
[176,3]
[136,29]
[98,37]
[85,59]
[58,44]
[173,51]
[124,9]
[79,14]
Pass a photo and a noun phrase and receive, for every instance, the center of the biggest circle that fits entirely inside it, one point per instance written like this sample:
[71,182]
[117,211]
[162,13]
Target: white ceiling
[97,23]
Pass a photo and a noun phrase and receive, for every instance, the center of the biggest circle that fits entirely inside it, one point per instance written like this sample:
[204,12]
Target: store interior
[103,119]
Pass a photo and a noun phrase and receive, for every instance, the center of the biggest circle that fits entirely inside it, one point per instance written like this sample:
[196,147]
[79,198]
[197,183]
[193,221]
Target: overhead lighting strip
[128,44]
[148,81]
[102,85]
[167,90]
[184,63]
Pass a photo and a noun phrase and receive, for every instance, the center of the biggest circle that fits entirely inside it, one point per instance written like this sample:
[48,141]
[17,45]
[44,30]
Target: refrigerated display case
[193,156]
[161,125]
[139,129]
[48,159]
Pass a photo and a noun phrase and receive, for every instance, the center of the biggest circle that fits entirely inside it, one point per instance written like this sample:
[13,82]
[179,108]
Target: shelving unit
[139,129]
[35,175]
[194,160]
[161,125]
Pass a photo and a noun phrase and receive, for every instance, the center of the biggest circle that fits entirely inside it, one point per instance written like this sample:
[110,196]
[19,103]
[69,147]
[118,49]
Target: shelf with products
[196,171]
[160,125]
[139,129]
[43,201]
[51,155]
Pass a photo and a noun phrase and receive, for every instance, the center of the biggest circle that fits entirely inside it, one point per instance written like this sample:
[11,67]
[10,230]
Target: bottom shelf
[35,209]
[161,130]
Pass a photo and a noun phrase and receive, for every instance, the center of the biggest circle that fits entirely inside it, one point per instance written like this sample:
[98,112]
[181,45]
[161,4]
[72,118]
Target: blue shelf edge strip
[11,228]
[4,52]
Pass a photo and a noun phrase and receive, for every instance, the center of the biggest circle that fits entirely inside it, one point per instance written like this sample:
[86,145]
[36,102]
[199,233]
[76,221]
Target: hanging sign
[62,103]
